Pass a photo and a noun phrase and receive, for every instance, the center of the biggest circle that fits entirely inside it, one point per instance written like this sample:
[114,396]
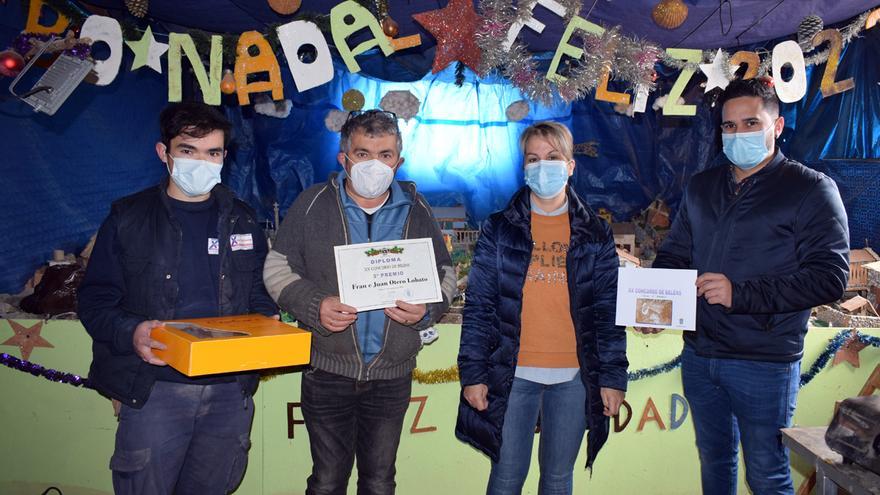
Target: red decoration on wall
[454,28]
[11,63]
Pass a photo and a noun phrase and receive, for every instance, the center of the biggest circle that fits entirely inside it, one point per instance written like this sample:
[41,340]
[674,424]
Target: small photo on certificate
[657,298]
[375,275]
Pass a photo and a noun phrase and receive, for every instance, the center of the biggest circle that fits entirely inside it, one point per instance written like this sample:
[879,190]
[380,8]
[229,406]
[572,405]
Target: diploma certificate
[375,274]
[657,298]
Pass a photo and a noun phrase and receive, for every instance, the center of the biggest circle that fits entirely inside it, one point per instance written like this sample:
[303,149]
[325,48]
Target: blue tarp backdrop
[61,173]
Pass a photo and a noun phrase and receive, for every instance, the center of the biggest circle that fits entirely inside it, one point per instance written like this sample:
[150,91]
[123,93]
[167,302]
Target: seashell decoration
[670,14]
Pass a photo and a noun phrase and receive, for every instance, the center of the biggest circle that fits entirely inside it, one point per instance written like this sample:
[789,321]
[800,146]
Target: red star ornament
[849,352]
[454,27]
[26,338]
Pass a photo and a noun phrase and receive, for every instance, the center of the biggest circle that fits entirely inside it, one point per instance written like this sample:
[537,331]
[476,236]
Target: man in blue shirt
[357,391]
[186,248]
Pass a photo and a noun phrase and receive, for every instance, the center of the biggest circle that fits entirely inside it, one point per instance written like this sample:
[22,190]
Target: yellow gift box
[228,344]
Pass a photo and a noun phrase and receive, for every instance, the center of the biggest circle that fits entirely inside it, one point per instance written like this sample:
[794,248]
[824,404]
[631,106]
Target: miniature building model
[657,214]
[454,226]
[625,237]
[873,273]
[627,260]
[858,305]
[858,275]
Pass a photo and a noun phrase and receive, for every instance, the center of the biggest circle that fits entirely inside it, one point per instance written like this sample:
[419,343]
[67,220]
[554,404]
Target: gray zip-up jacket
[300,271]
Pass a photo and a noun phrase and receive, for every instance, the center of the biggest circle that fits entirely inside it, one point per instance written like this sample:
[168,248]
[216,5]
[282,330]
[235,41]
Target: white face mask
[371,178]
[195,177]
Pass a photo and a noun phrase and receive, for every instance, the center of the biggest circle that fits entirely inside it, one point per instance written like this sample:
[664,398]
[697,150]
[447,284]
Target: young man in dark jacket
[357,391]
[770,241]
[186,248]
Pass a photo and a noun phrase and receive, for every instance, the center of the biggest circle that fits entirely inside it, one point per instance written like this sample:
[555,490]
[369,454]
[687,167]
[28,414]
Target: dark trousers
[734,402]
[187,439]
[348,419]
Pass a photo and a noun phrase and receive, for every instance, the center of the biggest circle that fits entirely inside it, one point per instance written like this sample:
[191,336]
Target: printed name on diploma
[376,275]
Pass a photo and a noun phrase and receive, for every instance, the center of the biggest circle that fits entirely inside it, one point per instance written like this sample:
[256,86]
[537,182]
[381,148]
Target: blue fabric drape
[60,173]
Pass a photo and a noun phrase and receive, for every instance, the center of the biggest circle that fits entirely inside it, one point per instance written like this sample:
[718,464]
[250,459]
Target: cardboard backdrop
[58,435]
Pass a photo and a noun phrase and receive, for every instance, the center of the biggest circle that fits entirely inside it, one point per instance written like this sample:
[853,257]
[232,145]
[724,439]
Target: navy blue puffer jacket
[491,326]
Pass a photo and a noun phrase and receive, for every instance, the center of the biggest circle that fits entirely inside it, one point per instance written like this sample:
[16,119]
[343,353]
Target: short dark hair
[194,119]
[372,123]
[756,87]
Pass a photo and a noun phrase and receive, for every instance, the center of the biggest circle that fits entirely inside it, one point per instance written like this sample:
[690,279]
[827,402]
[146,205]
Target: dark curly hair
[193,119]
[372,123]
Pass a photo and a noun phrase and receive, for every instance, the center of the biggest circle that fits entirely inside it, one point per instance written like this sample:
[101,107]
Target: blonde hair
[557,134]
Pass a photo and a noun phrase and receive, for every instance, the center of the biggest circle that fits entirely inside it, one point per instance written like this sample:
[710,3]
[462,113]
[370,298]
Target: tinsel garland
[37,370]
[834,345]
[847,32]
[627,59]
[434,377]
[24,43]
[450,374]
[655,370]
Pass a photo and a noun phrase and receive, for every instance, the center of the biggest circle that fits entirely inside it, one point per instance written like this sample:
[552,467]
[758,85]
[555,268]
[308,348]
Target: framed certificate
[657,298]
[373,275]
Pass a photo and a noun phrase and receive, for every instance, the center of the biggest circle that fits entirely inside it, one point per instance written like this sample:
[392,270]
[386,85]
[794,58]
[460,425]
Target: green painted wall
[56,434]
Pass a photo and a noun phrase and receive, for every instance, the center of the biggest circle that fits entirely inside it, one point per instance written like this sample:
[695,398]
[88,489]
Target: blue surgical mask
[195,177]
[547,178]
[746,149]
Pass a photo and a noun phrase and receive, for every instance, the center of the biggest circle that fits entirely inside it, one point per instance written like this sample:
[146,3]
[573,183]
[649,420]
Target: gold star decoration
[849,352]
[454,28]
[26,338]
[147,51]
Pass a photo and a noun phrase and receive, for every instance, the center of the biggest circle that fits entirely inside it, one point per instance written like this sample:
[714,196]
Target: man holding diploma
[770,241]
[357,391]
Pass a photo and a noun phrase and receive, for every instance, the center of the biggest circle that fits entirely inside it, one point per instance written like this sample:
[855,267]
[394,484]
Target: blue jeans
[348,419]
[736,401]
[187,439]
[562,408]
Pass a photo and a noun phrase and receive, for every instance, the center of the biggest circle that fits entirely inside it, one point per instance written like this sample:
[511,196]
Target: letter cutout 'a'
[651,414]
[348,18]
[263,61]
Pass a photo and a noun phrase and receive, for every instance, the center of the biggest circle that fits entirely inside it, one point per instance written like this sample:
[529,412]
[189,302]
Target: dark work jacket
[132,277]
[782,241]
[490,331]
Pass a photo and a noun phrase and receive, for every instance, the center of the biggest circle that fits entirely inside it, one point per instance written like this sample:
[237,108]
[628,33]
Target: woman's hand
[475,395]
[611,399]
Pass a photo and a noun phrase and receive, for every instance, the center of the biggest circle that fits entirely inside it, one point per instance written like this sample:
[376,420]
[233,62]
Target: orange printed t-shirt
[547,338]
